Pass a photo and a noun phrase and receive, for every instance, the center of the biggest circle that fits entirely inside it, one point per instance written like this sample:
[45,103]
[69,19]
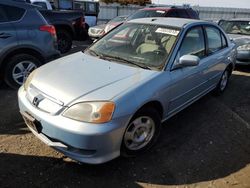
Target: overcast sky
[213,3]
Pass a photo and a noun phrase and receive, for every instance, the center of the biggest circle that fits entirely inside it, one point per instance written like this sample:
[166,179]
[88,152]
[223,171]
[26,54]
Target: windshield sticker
[167,31]
[160,11]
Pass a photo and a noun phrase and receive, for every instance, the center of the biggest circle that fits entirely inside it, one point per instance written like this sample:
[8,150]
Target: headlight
[92,112]
[28,80]
[244,47]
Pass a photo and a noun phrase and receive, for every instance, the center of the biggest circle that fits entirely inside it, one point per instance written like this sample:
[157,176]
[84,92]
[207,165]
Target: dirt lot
[206,145]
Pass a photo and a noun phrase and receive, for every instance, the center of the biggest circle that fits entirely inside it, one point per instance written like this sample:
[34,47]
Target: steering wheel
[160,51]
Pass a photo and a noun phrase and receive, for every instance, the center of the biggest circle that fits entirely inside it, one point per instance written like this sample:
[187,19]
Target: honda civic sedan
[111,99]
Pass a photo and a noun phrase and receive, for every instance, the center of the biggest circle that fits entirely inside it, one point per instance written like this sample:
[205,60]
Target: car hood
[240,39]
[75,76]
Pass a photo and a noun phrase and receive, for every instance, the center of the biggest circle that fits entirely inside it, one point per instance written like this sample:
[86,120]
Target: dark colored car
[239,31]
[178,12]
[26,41]
[70,25]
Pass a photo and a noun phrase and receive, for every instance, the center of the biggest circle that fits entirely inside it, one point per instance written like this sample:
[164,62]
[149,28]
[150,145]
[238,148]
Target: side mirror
[188,61]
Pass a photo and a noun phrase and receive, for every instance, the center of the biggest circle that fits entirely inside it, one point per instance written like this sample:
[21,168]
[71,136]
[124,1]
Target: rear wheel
[222,85]
[141,133]
[18,69]
[64,40]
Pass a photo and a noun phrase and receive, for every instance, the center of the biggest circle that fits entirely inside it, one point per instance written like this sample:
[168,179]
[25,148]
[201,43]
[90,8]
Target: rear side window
[13,13]
[193,43]
[214,39]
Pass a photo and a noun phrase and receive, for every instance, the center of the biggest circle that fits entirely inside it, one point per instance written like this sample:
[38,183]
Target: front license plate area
[32,122]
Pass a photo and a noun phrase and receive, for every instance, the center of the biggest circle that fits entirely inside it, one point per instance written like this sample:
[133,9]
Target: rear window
[147,13]
[182,13]
[13,13]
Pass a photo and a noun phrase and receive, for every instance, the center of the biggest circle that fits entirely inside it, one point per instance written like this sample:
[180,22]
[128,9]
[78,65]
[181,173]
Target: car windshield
[143,45]
[147,13]
[236,27]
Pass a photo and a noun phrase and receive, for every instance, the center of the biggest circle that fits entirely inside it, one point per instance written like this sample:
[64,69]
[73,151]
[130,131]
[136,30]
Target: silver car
[239,31]
[110,100]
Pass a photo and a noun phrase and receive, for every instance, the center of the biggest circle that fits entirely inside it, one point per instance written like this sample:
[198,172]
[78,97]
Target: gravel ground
[206,145]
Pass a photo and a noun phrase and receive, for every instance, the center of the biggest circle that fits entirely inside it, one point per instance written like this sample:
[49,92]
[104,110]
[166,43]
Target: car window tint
[13,13]
[214,39]
[193,43]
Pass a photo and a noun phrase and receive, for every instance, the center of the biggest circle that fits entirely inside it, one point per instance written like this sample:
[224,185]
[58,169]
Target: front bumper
[84,142]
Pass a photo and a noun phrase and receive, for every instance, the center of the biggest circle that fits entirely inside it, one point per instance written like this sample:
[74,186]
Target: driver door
[188,83]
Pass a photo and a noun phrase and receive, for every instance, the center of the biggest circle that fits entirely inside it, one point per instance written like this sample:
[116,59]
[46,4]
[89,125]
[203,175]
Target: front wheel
[141,133]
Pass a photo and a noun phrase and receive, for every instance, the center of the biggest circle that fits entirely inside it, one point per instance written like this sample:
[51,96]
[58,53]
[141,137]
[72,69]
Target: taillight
[48,28]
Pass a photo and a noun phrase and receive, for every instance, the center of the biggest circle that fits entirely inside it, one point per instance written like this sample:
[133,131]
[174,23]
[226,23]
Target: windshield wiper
[94,53]
[107,57]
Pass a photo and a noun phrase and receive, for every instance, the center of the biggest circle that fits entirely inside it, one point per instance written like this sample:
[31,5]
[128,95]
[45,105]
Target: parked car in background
[99,30]
[96,31]
[148,70]
[174,11]
[69,24]
[114,22]
[239,31]
[26,41]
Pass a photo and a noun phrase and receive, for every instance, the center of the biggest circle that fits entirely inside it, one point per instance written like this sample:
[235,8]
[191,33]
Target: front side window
[140,44]
[213,39]
[193,43]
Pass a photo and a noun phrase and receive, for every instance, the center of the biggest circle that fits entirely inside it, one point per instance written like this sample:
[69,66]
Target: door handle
[5,35]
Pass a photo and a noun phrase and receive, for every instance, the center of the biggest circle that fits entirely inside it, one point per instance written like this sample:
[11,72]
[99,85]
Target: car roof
[166,21]
[18,3]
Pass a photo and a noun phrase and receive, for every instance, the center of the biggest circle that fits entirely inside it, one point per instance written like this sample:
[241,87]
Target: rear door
[218,53]
[8,37]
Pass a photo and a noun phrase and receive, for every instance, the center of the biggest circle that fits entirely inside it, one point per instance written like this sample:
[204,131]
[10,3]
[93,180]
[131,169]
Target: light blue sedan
[111,100]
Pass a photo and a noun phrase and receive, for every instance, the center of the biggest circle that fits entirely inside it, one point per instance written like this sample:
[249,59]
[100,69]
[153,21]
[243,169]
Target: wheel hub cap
[139,133]
[22,70]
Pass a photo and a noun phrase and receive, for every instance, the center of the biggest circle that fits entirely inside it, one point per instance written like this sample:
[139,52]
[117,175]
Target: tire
[223,83]
[64,40]
[142,134]
[18,68]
